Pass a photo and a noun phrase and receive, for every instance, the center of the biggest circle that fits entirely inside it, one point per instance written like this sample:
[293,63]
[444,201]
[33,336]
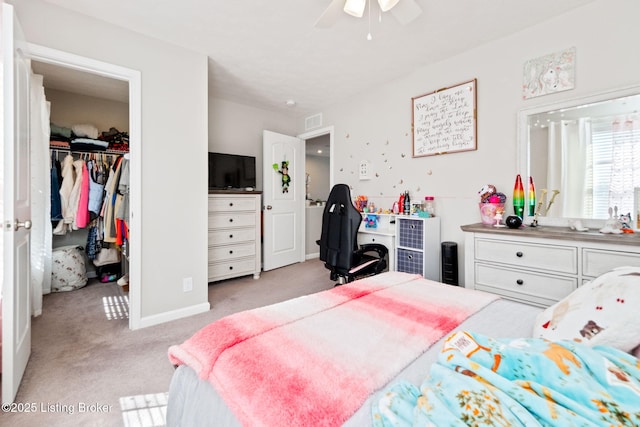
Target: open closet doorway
[84,91]
[319,181]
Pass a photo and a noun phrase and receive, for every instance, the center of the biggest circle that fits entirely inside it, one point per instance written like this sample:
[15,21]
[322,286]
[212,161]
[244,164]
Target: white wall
[68,109]
[318,169]
[237,129]
[376,125]
[174,147]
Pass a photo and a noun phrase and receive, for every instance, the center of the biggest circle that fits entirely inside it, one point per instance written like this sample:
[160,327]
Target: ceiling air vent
[313,122]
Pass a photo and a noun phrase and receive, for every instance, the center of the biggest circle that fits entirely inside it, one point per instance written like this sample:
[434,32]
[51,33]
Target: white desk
[384,234]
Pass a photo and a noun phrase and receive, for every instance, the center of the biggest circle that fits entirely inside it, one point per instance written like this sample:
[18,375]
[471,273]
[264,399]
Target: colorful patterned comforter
[518,382]
[314,360]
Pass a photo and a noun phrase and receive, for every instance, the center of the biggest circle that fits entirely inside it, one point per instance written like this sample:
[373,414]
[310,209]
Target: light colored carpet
[87,368]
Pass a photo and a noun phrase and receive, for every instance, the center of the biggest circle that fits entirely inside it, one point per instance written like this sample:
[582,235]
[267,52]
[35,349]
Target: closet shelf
[68,150]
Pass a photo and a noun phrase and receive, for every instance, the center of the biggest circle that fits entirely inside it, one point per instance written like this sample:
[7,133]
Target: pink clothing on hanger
[82,217]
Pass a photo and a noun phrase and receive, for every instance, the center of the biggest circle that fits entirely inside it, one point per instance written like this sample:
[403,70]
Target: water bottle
[407,203]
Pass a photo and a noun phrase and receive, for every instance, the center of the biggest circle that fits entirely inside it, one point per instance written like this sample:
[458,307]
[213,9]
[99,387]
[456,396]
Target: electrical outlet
[187,284]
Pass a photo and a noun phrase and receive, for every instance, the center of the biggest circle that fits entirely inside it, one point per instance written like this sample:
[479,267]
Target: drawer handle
[231,236]
[230,219]
[230,203]
[519,254]
[409,256]
[520,282]
[231,267]
[412,226]
[230,252]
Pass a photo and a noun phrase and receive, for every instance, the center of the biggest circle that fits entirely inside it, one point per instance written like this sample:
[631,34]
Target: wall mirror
[589,150]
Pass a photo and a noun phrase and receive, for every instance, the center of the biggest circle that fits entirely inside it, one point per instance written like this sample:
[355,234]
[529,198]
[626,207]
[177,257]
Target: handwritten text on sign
[444,121]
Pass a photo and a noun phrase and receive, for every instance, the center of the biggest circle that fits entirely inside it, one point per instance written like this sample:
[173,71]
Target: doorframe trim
[134,78]
[327,130]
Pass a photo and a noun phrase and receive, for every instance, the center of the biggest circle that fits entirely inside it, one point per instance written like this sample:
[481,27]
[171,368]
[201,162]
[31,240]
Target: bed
[329,358]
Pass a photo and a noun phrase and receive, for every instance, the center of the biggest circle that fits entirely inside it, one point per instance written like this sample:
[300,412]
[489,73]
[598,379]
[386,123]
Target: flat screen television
[228,171]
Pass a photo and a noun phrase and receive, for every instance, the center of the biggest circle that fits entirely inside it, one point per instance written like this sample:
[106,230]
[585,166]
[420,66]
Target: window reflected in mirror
[591,154]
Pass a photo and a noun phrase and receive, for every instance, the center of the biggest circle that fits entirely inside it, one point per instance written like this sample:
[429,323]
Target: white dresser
[234,235]
[542,265]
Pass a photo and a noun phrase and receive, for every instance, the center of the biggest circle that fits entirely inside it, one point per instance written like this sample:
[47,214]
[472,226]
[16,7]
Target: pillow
[85,131]
[601,312]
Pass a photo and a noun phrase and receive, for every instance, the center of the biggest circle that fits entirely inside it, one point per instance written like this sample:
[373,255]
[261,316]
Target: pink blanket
[314,360]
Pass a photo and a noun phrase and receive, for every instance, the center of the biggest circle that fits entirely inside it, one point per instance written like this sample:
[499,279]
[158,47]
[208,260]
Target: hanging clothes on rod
[80,187]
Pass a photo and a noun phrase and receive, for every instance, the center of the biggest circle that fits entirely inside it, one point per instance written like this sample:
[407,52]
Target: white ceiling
[263,53]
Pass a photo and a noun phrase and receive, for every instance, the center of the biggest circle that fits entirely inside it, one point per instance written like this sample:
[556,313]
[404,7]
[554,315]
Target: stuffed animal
[486,192]
[625,223]
[611,226]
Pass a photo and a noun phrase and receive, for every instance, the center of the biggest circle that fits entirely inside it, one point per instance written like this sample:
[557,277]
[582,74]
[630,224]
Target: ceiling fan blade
[330,14]
[406,11]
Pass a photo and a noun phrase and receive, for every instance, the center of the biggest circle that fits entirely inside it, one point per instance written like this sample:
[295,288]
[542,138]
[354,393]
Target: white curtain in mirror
[567,170]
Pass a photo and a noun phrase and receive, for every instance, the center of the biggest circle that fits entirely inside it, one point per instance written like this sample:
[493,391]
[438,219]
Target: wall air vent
[313,122]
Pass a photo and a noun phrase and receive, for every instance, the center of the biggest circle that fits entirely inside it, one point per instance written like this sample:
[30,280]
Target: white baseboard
[312,256]
[157,319]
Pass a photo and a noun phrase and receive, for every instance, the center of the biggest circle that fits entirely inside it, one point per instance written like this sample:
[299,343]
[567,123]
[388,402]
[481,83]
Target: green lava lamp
[532,197]
[518,198]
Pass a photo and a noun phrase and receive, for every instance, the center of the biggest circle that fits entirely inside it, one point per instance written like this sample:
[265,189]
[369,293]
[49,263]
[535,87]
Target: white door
[16,208]
[282,199]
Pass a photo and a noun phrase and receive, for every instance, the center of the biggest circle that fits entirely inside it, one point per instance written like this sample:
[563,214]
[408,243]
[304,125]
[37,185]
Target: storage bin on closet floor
[68,270]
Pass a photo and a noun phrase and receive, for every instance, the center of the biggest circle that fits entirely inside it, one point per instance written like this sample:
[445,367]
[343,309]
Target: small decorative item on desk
[491,203]
[429,206]
[513,221]
[371,221]
[361,203]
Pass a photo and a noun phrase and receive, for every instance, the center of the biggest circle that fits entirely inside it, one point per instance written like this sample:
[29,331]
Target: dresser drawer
[410,233]
[537,288]
[596,262]
[232,204]
[221,253]
[232,268]
[225,237]
[562,259]
[228,220]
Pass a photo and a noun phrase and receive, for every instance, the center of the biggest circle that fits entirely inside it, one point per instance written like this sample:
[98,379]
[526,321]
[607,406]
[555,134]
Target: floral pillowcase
[601,312]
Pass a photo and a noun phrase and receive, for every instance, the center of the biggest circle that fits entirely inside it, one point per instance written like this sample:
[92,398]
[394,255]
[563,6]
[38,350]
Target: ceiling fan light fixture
[355,7]
[386,5]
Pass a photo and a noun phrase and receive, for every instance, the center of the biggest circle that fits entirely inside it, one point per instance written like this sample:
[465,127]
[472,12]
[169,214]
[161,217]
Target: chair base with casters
[338,241]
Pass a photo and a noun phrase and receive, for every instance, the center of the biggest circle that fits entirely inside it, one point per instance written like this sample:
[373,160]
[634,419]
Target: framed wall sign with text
[444,121]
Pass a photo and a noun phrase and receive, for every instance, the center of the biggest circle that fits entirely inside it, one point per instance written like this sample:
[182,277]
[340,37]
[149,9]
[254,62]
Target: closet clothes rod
[108,154]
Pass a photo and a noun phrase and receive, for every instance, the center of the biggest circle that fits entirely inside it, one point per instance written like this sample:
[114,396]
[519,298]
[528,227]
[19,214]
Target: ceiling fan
[404,11]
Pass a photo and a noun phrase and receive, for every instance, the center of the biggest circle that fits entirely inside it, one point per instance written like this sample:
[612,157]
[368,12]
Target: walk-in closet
[82,238]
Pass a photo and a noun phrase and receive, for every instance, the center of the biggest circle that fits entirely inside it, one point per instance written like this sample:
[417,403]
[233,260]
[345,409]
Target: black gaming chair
[338,241]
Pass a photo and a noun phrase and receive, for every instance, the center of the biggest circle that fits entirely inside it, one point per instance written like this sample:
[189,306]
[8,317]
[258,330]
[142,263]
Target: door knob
[269,207]
[18,224]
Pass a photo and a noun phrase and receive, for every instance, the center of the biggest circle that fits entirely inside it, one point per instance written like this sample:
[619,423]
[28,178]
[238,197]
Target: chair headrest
[340,193]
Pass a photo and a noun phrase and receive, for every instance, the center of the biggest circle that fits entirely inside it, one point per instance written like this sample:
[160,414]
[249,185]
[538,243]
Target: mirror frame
[523,147]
